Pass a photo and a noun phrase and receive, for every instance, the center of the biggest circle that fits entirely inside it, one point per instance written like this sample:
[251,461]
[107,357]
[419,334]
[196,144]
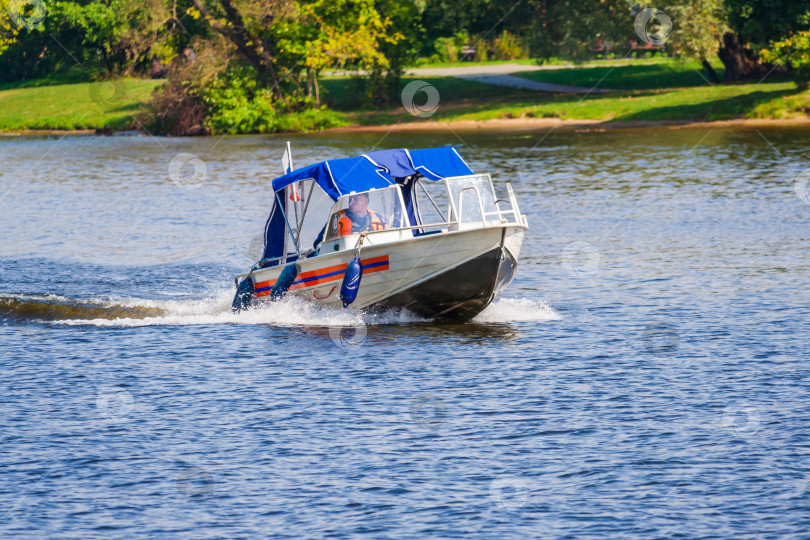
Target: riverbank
[509,124]
[646,95]
[516,124]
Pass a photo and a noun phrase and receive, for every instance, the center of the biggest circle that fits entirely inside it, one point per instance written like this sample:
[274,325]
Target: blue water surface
[645,375]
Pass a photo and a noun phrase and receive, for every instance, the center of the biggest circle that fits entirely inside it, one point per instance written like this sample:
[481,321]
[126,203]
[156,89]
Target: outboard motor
[351,281]
[243,296]
[284,281]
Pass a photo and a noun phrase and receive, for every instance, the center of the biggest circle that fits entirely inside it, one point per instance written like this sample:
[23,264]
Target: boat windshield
[367,211]
[306,204]
[473,199]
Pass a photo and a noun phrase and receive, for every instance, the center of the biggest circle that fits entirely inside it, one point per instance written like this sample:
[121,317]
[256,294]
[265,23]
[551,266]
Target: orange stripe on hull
[320,271]
[335,277]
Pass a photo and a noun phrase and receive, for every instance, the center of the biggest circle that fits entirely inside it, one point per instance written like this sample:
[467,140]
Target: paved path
[500,75]
[497,74]
[486,69]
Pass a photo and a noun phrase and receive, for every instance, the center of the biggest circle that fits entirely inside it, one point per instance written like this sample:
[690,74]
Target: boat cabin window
[367,211]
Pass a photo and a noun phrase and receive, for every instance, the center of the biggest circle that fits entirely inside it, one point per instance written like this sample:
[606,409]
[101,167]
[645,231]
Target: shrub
[198,100]
[449,48]
[508,47]
[795,50]
[235,104]
[178,107]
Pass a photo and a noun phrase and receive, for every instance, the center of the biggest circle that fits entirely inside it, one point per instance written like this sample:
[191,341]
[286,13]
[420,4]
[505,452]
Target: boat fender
[243,296]
[284,281]
[351,281]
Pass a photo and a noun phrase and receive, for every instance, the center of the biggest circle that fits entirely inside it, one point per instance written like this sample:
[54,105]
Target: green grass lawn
[525,61]
[38,105]
[341,94]
[630,75]
[545,61]
[468,100]
[655,89]
[692,104]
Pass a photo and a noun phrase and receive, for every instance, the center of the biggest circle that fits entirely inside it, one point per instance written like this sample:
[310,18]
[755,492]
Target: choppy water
[644,376]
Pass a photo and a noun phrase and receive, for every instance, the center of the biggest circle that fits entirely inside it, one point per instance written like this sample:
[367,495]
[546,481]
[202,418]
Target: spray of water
[216,309]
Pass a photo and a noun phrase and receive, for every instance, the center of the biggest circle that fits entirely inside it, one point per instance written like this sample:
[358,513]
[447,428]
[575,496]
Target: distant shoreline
[502,124]
[590,125]
[655,95]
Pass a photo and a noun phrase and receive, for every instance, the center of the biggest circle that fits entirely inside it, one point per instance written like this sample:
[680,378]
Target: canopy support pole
[289,227]
[441,214]
[304,213]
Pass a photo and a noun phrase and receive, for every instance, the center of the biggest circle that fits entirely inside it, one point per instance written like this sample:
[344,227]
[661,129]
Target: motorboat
[405,229]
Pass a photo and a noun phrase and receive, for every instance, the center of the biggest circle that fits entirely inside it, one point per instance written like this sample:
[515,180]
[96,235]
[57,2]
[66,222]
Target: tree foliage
[288,43]
[697,27]
[258,60]
[758,22]
[115,36]
[795,50]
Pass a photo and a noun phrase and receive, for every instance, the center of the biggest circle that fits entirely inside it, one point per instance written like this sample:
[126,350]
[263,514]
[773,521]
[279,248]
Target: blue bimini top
[378,170]
[374,170]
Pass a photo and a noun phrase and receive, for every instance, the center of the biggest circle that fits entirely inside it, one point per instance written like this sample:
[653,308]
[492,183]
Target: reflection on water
[358,337]
[647,367]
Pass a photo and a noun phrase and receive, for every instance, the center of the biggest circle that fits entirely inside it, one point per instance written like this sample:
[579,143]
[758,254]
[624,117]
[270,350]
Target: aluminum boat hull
[451,275]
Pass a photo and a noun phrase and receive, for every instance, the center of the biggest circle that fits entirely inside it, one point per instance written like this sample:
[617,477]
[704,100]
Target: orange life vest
[342,224]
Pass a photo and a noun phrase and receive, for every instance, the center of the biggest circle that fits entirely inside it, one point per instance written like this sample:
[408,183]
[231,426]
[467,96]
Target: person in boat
[356,218]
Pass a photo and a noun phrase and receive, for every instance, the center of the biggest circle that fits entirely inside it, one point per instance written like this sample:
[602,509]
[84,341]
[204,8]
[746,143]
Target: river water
[645,375]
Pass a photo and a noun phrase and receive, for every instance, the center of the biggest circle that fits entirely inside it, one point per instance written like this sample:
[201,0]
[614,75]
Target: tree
[755,23]
[283,39]
[123,32]
[568,28]
[697,26]
[13,24]
[346,34]
[796,48]
[117,36]
[29,37]
[249,28]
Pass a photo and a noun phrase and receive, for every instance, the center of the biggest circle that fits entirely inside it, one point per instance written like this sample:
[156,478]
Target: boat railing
[488,203]
[514,210]
[500,216]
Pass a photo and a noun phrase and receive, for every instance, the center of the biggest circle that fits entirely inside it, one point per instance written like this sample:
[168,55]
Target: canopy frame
[339,177]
